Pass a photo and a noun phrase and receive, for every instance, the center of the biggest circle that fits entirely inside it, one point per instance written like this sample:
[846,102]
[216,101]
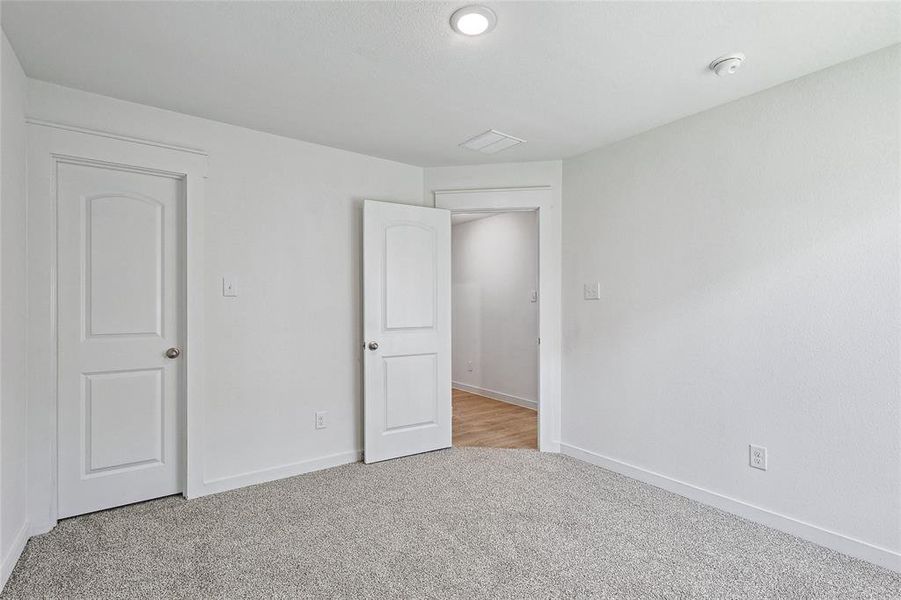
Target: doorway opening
[495,331]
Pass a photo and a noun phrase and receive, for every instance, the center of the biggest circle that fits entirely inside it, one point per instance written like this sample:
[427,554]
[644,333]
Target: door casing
[48,145]
[550,324]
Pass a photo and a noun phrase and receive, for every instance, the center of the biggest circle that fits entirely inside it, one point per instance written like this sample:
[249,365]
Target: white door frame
[550,322]
[48,145]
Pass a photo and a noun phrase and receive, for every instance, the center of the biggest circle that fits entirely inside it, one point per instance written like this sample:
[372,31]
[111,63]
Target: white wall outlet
[469,366]
[229,286]
[757,457]
[320,419]
[534,297]
[592,291]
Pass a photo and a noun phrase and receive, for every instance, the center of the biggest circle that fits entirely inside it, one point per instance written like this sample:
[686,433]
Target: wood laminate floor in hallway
[480,421]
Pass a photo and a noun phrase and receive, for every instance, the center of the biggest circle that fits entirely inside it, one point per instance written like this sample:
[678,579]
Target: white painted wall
[13,378]
[284,217]
[749,266]
[495,321]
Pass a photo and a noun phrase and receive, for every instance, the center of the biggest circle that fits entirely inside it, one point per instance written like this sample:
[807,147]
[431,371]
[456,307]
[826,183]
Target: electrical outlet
[469,366]
[320,419]
[757,458]
[592,291]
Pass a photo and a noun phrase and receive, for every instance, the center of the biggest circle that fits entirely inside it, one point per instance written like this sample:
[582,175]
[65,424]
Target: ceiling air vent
[491,142]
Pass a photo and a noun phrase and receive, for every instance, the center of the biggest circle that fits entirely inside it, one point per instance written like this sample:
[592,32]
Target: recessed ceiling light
[473,20]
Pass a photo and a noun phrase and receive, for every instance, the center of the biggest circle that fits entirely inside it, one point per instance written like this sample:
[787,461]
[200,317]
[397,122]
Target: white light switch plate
[229,286]
[592,291]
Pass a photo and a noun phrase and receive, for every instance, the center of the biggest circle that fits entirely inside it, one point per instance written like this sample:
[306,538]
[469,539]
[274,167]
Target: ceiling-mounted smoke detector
[727,65]
[491,142]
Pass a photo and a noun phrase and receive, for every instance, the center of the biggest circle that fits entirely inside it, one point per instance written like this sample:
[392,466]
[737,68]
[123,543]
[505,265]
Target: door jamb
[48,145]
[550,323]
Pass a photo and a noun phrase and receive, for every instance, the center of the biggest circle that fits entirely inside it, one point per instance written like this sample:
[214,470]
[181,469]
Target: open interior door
[406,328]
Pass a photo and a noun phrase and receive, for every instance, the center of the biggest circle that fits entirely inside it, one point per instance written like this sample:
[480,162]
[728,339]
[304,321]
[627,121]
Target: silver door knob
[373,345]
[173,353]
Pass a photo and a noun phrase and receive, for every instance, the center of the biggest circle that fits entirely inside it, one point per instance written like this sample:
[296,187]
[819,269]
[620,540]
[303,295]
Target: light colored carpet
[460,523]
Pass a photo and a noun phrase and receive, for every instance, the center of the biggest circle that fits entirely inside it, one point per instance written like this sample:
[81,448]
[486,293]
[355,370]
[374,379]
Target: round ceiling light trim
[473,20]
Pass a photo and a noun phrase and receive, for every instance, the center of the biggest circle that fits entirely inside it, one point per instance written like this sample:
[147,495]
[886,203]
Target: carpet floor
[459,523]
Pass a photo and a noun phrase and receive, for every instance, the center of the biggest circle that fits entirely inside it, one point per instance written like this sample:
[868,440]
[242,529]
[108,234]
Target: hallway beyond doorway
[480,421]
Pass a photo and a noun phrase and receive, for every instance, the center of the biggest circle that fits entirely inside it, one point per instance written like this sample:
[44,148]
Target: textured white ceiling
[392,80]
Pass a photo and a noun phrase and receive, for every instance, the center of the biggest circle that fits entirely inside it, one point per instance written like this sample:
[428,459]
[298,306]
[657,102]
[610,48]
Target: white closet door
[120,312]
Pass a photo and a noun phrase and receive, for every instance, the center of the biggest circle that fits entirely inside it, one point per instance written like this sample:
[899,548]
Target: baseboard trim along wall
[233,482]
[12,556]
[823,537]
[495,395]
[212,486]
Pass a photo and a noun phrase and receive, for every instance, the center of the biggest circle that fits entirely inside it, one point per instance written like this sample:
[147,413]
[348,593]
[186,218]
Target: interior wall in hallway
[495,306]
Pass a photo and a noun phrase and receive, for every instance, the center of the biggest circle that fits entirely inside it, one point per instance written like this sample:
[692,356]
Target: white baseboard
[42,529]
[495,395]
[232,482]
[12,556]
[823,537]
[550,447]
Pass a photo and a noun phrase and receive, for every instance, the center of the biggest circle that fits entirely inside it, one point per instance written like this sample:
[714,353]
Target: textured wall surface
[749,266]
[13,310]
